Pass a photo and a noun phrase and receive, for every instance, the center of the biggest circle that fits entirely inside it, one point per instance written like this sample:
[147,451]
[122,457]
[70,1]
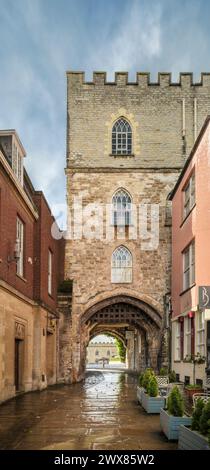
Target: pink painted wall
[196,225]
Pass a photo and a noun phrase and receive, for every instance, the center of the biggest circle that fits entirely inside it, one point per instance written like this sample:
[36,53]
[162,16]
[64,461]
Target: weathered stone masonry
[165,118]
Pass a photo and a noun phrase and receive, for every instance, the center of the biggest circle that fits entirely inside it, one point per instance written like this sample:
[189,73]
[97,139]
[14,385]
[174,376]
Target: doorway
[18,364]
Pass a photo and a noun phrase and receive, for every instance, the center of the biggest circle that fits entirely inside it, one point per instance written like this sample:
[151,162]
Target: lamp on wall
[191,314]
[16,253]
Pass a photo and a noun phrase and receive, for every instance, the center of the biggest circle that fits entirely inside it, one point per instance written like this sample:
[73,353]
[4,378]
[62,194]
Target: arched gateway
[133,320]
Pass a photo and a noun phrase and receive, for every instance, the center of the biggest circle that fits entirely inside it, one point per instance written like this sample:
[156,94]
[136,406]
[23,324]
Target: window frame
[121,210]
[187,336]
[189,195]
[20,242]
[122,138]
[189,269]
[122,274]
[17,163]
[50,272]
[177,341]
[200,331]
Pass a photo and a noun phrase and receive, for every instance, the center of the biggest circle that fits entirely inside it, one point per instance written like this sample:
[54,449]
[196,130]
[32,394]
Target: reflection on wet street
[100,413]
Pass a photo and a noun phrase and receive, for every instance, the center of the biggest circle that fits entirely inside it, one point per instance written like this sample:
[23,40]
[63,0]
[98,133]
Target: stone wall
[19,312]
[165,119]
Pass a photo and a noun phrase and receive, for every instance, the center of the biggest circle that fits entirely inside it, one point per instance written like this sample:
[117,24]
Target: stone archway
[139,323]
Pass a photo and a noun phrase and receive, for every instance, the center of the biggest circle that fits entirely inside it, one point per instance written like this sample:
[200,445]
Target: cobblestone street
[100,413]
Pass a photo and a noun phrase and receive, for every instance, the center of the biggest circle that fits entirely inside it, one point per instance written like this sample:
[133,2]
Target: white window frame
[200,334]
[177,341]
[187,336]
[189,266]
[17,163]
[121,137]
[122,266]
[121,208]
[19,173]
[50,261]
[20,247]
[189,196]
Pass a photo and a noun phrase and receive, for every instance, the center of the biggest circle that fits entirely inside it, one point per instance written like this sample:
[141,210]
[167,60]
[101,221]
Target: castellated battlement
[142,78]
[165,118]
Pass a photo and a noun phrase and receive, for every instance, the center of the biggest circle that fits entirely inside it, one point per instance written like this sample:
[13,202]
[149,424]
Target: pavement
[99,413]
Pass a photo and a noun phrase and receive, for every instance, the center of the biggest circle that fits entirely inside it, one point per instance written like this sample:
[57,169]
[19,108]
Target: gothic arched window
[121,265]
[121,208]
[121,137]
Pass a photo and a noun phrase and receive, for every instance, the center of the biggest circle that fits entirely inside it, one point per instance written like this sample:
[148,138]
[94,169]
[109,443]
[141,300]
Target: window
[201,333]
[17,163]
[187,380]
[199,382]
[20,247]
[19,167]
[121,208]
[49,272]
[189,266]
[189,195]
[121,265]
[187,328]
[178,341]
[97,353]
[121,138]
[108,353]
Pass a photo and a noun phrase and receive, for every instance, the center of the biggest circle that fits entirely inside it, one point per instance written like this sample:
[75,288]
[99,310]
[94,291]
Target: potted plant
[194,388]
[140,388]
[173,416]
[143,382]
[152,402]
[190,390]
[197,437]
[172,376]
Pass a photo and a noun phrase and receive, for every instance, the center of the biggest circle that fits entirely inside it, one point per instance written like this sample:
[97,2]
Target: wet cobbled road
[101,413]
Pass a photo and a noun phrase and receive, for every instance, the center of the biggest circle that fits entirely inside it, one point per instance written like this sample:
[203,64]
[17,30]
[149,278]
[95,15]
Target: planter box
[191,440]
[191,391]
[170,424]
[139,394]
[152,404]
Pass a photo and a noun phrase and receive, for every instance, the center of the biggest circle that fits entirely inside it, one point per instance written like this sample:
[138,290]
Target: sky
[41,39]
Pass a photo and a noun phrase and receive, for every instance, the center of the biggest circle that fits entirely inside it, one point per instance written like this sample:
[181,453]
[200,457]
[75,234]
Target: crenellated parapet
[142,79]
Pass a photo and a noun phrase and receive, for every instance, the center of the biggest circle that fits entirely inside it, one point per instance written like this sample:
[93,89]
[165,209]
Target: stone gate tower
[126,144]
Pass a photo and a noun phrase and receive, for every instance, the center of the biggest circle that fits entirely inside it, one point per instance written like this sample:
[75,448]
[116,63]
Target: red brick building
[31,263]
[190,264]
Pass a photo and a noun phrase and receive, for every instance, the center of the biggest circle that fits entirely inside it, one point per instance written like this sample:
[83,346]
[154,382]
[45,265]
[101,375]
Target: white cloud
[136,40]
[152,35]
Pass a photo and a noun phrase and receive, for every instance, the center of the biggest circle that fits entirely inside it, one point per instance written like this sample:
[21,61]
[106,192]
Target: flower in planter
[199,359]
[146,378]
[153,387]
[172,376]
[195,358]
[163,371]
[205,419]
[193,387]
[196,416]
[175,402]
[141,377]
